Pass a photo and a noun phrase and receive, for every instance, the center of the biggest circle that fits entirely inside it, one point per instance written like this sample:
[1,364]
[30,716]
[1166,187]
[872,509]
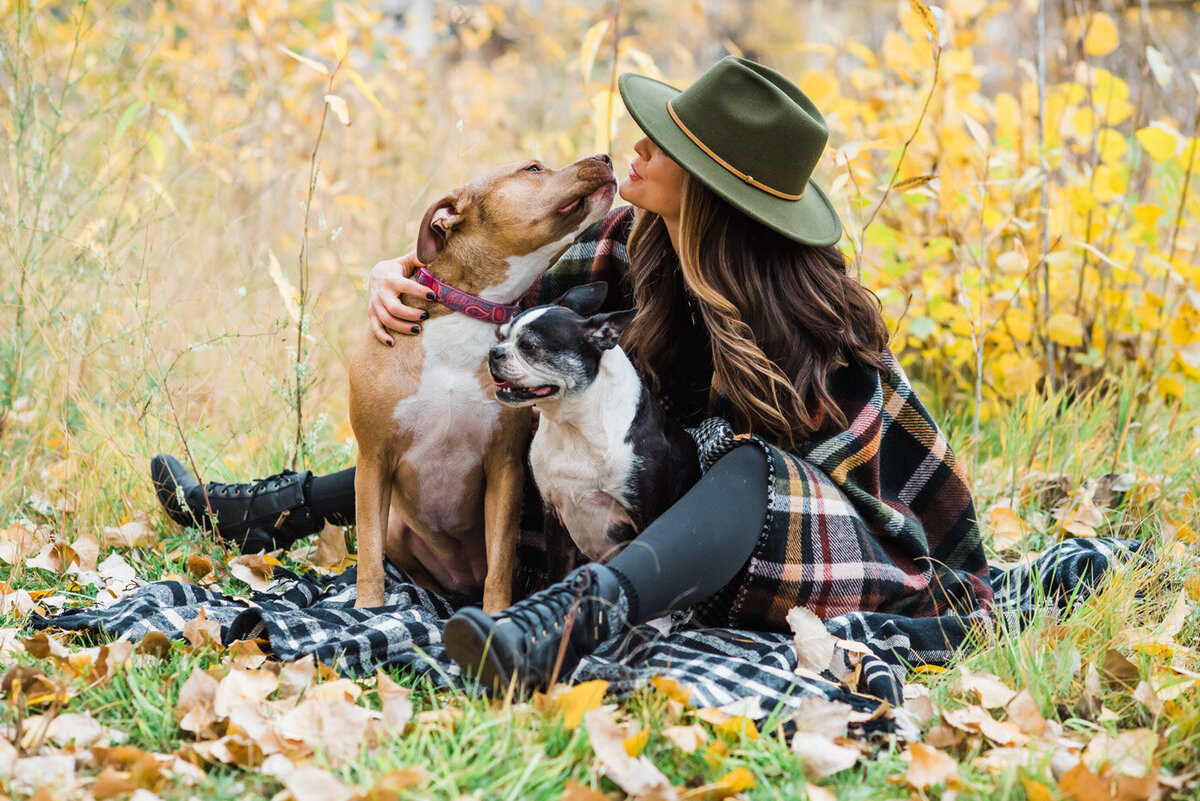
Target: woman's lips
[633,174]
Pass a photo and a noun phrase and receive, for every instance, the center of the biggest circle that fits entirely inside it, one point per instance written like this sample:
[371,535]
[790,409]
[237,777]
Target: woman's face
[655,181]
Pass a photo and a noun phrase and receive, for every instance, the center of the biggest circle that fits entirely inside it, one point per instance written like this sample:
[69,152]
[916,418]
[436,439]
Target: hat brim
[811,219]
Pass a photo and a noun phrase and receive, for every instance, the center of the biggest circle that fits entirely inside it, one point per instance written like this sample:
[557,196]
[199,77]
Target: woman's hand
[388,281]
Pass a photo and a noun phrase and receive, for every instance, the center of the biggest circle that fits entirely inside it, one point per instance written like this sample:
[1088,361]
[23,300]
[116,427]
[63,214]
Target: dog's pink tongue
[542,392]
[567,209]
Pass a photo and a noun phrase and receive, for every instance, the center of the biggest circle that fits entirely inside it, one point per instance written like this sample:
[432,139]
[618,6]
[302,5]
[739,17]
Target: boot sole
[470,643]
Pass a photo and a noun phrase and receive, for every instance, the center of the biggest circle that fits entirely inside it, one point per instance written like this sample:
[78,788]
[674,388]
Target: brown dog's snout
[603,157]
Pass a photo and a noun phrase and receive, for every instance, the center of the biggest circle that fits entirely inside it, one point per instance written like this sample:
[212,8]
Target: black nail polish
[430,296]
[424,315]
[416,329]
[390,343]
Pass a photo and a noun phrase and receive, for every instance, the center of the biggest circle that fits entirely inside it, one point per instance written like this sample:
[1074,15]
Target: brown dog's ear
[436,224]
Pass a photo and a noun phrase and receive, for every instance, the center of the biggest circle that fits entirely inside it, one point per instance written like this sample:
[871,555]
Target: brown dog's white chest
[449,422]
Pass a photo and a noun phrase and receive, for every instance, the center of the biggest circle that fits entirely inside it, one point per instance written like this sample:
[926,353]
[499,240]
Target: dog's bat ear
[436,224]
[604,330]
[585,299]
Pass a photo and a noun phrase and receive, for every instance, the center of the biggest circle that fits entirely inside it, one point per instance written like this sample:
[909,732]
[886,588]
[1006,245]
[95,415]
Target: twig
[1051,356]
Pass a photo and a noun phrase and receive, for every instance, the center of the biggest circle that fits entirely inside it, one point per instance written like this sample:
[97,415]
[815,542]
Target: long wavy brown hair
[782,315]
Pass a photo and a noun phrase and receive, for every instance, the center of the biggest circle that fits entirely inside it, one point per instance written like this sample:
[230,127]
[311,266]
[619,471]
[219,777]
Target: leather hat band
[748,179]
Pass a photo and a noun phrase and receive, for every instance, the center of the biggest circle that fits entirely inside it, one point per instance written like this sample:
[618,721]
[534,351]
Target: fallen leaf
[814,644]
[574,791]
[195,707]
[830,719]
[254,569]
[1144,692]
[42,772]
[1119,670]
[930,768]
[34,686]
[331,547]
[338,728]
[820,756]
[243,687]
[202,632]
[672,689]
[395,700]
[636,743]
[156,644]
[816,793]
[637,776]
[737,728]
[1023,711]
[581,699]
[392,786]
[991,691]
[686,738]
[336,690]
[134,534]
[296,677]
[87,548]
[248,654]
[1081,784]
[314,784]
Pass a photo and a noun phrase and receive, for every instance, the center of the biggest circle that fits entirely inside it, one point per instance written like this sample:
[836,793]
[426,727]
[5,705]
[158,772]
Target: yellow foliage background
[157,159]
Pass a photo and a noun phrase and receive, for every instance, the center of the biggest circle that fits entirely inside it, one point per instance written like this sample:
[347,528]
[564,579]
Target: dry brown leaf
[34,686]
[314,784]
[195,707]
[248,654]
[201,568]
[1080,784]
[930,768]
[1046,489]
[134,534]
[816,793]
[87,548]
[254,569]
[331,547]
[997,759]
[1023,711]
[55,771]
[243,688]
[918,703]
[830,719]
[1008,529]
[202,632]
[339,728]
[814,644]
[991,691]
[820,756]
[155,644]
[686,738]
[1119,670]
[392,786]
[1130,753]
[1145,693]
[43,646]
[574,791]
[298,676]
[1035,790]
[637,776]
[395,700]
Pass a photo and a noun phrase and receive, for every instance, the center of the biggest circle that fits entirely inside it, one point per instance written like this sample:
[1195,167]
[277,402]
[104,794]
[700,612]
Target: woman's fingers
[387,284]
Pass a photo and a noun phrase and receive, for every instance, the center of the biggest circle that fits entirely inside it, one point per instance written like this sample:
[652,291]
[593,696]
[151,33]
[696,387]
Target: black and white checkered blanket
[302,615]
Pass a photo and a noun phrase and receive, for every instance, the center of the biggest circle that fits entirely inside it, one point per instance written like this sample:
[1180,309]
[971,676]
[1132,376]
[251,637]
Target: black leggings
[689,553]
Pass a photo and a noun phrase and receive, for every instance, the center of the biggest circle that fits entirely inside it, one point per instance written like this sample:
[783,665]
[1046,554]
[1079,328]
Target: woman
[847,498]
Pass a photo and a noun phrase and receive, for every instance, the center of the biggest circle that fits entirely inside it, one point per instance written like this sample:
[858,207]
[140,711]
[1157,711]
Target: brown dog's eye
[525,346]
[533,168]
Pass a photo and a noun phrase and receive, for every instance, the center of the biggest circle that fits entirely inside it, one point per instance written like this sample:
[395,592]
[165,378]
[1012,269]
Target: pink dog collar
[470,305]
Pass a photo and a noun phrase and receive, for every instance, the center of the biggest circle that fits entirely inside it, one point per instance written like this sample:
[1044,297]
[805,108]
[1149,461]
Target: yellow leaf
[914,182]
[1160,144]
[338,104]
[591,46]
[289,293]
[737,780]
[1111,145]
[636,743]
[927,18]
[819,87]
[308,62]
[672,689]
[1065,329]
[366,90]
[1102,36]
[580,699]
[1170,387]
[930,767]
[1147,214]
[737,727]
[341,46]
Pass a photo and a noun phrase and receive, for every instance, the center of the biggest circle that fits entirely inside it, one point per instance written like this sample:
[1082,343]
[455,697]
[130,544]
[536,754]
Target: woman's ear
[584,299]
[439,220]
[604,330]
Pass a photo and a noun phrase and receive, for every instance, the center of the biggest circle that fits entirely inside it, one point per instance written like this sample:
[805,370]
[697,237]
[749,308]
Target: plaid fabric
[873,516]
[310,615]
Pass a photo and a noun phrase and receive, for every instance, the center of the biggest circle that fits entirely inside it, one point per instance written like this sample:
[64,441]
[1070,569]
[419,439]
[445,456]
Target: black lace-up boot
[260,516]
[542,638]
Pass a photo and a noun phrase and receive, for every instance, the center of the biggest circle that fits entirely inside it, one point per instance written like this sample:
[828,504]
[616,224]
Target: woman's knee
[748,462]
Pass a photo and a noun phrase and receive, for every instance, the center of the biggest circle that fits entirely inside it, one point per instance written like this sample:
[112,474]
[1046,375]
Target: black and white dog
[606,456]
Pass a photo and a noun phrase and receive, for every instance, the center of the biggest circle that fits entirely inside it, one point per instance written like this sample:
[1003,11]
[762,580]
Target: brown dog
[440,462]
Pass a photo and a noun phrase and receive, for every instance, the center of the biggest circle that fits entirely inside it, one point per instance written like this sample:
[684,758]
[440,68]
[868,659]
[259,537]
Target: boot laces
[546,614]
[250,490]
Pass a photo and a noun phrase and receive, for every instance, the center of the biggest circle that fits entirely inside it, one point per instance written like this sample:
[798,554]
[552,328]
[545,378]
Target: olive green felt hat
[750,135]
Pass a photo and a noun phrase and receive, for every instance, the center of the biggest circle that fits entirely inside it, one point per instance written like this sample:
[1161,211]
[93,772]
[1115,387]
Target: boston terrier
[606,456]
